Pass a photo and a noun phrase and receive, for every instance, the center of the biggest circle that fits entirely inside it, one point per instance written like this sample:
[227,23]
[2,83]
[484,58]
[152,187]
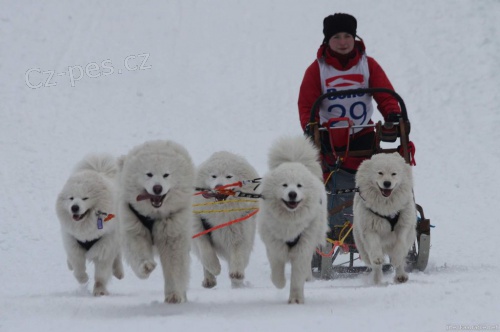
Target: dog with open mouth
[156,185]
[233,243]
[385,216]
[292,220]
[85,209]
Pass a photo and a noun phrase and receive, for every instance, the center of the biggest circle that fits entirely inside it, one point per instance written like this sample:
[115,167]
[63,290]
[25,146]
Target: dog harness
[392,220]
[148,222]
[87,244]
[207,226]
[292,243]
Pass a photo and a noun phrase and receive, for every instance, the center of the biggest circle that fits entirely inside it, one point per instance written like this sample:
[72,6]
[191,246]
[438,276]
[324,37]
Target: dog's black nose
[387,184]
[292,195]
[75,208]
[157,189]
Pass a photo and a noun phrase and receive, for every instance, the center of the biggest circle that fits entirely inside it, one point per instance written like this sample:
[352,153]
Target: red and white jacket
[312,87]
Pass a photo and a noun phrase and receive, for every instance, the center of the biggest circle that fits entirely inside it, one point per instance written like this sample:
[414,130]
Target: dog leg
[398,259]
[209,280]
[118,267]
[237,266]
[209,258]
[139,254]
[103,271]
[377,273]
[175,261]
[375,255]
[77,262]
[373,248]
[359,240]
[300,267]
[277,271]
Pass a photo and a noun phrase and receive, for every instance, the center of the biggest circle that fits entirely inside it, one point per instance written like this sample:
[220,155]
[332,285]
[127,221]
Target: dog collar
[392,220]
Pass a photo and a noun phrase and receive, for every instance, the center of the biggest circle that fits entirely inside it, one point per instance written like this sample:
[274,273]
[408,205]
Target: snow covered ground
[79,77]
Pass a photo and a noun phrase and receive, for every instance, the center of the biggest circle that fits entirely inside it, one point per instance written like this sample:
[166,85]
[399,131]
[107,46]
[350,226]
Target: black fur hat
[339,22]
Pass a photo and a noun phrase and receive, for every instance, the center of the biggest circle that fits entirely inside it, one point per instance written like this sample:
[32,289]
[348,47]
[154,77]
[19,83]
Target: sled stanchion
[330,138]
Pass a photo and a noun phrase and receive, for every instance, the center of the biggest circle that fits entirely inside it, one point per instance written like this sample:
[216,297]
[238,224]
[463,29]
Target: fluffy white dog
[234,242]
[155,194]
[85,208]
[384,213]
[293,217]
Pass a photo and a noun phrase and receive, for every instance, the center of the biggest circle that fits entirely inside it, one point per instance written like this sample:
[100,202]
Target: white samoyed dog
[384,213]
[233,243]
[156,185]
[85,209]
[292,221]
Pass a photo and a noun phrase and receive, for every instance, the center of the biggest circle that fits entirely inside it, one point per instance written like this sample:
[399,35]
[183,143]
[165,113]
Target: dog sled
[339,257]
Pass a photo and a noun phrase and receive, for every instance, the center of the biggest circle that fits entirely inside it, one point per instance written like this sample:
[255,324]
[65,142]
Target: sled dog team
[143,205]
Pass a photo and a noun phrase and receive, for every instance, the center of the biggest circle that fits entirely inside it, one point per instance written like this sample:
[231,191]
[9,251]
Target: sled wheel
[418,257]
[423,240]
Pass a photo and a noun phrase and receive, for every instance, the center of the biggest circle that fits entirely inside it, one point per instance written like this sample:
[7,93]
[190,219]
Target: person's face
[341,42]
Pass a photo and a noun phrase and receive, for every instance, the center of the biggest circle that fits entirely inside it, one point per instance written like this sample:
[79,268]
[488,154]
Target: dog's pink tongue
[386,192]
[143,196]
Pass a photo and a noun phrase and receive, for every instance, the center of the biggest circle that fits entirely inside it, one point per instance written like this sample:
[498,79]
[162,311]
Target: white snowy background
[225,75]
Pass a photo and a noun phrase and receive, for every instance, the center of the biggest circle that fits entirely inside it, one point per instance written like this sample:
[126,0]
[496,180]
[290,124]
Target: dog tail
[102,163]
[298,149]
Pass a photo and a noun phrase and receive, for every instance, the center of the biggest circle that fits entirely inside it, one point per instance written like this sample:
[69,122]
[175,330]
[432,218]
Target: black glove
[393,117]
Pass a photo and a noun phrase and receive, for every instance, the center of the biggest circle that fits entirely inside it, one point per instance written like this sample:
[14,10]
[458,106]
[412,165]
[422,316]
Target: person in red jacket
[342,64]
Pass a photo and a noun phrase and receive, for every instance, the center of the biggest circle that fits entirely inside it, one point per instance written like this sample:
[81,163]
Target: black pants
[340,205]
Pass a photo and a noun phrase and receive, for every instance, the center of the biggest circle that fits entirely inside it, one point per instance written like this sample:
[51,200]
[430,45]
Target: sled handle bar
[315,107]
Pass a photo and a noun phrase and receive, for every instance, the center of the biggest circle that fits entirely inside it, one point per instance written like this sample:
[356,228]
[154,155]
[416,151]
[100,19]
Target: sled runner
[332,139]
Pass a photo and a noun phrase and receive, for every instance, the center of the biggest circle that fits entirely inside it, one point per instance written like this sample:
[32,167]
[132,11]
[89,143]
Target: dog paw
[401,278]
[82,278]
[237,275]
[378,260]
[209,283]
[145,269]
[118,274]
[295,300]
[118,270]
[99,289]
[175,298]
[237,279]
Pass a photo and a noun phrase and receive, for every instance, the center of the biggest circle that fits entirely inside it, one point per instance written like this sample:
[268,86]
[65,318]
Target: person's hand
[392,117]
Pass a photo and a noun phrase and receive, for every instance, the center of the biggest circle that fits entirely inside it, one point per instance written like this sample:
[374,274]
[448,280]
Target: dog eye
[380,173]
[165,175]
[285,185]
[214,176]
[229,177]
[394,174]
[85,198]
[71,198]
[299,186]
[150,175]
